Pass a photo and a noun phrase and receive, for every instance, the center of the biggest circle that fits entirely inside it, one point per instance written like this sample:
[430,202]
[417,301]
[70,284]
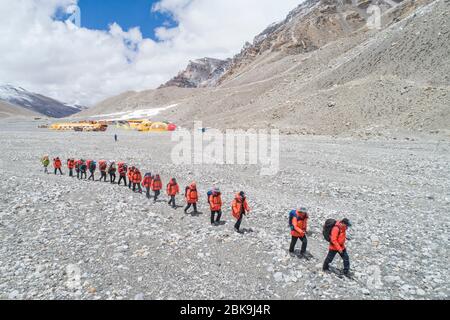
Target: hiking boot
[348,274]
[304,255]
[292,254]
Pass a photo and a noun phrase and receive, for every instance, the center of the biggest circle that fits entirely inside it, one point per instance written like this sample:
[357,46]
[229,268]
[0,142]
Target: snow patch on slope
[134,114]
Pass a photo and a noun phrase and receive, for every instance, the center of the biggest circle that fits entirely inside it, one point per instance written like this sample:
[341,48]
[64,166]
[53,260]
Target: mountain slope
[36,103]
[132,101]
[200,73]
[310,74]
[8,110]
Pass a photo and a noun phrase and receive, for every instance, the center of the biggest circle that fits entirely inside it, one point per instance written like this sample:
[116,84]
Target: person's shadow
[195,214]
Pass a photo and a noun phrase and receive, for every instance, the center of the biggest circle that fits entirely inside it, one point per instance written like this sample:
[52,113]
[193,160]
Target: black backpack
[327,228]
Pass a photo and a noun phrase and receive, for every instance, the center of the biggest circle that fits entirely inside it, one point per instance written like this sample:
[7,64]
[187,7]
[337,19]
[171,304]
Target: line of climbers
[333,231]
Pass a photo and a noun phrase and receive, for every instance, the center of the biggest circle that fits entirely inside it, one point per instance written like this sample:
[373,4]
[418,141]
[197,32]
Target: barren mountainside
[323,71]
[21,99]
[199,73]
[8,110]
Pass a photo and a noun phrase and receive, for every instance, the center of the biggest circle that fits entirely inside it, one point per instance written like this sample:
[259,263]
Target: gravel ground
[69,239]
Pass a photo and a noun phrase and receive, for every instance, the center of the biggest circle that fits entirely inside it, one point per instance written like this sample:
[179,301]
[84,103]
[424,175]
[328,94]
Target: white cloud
[78,65]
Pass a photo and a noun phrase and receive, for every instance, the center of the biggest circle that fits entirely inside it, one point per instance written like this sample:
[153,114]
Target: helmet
[346,222]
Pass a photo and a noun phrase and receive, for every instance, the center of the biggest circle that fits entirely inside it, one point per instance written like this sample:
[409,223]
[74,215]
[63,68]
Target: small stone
[365,292]
[139,296]
[420,292]
[278,277]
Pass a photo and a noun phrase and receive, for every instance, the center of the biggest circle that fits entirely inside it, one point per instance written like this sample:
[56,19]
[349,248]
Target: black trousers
[124,179]
[237,226]
[70,172]
[157,193]
[330,257]
[130,183]
[92,177]
[147,193]
[83,174]
[191,205]
[213,215]
[112,177]
[172,201]
[103,176]
[294,240]
[58,169]
[78,173]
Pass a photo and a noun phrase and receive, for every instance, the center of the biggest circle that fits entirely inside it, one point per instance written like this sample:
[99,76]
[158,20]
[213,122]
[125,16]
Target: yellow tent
[134,124]
[145,126]
[159,126]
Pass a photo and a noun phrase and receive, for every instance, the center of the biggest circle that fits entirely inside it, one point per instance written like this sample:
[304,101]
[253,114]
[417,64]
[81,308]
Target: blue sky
[98,14]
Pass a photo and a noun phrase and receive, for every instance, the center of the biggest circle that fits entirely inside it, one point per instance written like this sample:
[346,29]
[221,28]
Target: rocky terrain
[322,71]
[69,239]
[200,73]
[21,101]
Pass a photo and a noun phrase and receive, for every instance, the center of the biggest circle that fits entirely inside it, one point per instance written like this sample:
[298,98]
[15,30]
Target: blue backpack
[292,215]
[208,195]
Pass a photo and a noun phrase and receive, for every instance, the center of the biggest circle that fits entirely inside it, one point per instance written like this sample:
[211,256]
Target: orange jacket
[137,177]
[122,171]
[70,164]
[130,174]
[57,163]
[172,188]
[147,182]
[300,224]
[338,237]
[215,202]
[192,194]
[156,185]
[103,166]
[239,206]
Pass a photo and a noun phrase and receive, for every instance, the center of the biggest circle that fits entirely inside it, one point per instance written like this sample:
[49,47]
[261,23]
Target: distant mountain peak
[204,72]
[22,98]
